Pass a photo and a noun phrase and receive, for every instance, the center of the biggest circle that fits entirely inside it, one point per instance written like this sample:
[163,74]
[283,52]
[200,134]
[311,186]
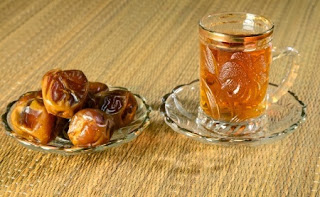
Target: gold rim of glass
[234,38]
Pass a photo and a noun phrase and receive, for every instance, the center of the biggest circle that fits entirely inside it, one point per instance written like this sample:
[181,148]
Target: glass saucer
[61,145]
[180,111]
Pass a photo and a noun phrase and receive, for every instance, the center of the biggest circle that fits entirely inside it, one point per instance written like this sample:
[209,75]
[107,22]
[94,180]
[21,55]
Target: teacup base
[180,109]
[245,128]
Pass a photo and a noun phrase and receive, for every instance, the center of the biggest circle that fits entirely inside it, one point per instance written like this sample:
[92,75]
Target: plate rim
[224,141]
[77,150]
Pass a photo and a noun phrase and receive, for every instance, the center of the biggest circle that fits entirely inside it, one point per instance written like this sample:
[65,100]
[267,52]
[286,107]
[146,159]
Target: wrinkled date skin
[29,118]
[120,104]
[90,127]
[64,92]
[96,87]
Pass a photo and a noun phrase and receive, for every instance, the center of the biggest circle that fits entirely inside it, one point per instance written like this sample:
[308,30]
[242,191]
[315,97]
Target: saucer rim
[234,140]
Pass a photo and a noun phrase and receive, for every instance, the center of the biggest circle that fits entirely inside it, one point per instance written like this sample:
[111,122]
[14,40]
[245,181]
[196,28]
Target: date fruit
[29,118]
[96,87]
[120,104]
[90,127]
[64,92]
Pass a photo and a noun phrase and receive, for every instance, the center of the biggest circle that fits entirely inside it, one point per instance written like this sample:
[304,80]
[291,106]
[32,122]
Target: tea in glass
[233,83]
[235,57]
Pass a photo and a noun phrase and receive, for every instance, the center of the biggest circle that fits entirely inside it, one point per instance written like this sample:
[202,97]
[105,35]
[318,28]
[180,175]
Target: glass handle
[291,74]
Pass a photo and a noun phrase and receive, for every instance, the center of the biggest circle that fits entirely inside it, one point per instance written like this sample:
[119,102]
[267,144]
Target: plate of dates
[72,115]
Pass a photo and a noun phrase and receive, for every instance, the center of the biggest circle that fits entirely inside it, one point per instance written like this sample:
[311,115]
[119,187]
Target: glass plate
[180,111]
[123,135]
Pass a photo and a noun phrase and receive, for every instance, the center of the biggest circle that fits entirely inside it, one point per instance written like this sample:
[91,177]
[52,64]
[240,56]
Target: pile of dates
[67,101]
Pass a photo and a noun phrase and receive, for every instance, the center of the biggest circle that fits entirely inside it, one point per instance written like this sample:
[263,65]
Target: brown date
[64,92]
[96,87]
[120,104]
[90,127]
[29,118]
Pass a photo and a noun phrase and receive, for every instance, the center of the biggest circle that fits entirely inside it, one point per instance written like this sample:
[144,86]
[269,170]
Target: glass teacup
[235,57]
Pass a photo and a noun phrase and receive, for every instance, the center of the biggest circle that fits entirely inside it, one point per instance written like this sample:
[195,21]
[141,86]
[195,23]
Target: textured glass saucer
[180,111]
[123,135]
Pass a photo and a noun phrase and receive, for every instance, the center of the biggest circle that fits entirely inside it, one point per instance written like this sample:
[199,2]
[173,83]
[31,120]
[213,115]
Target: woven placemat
[150,47]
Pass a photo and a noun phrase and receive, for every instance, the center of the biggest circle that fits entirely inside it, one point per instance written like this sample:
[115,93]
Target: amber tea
[233,84]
